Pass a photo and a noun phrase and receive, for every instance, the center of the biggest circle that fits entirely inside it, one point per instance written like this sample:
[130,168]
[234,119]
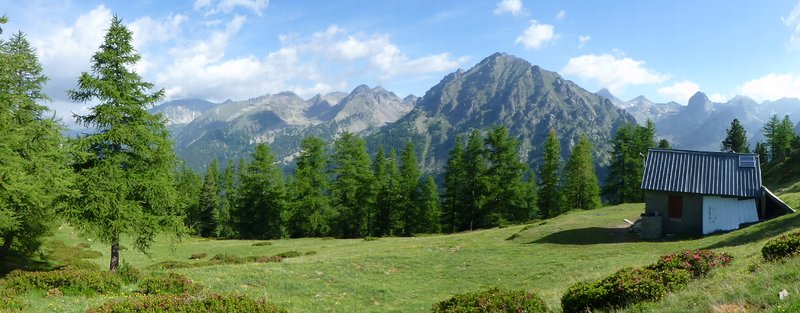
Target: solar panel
[747,161]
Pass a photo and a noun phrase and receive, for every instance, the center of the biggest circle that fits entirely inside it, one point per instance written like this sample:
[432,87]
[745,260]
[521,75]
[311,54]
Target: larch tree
[736,138]
[33,171]
[388,198]
[581,190]
[209,201]
[531,196]
[761,150]
[476,185]
[188,185]
[228,194]
[262,197]
[549,197]
[428,204]
[506,194]
[409,175]
[352,185]
[125,183]
[454,179]
[312,215]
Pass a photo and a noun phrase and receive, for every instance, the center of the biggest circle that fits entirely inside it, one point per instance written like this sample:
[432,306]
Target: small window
[675,207]
[747,161]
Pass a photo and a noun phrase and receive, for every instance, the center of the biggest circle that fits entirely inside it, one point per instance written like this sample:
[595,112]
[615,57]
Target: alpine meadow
[207,156]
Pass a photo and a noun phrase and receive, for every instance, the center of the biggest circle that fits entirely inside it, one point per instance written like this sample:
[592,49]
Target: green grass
[410,274]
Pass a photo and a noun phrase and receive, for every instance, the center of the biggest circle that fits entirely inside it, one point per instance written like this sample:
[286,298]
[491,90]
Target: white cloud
[583,39]
[793,22]
[513,7]
[679,92]
[146,30]
[614,73]
[561,15]
[226,6]
[718,97]
[772,87]
[536,35]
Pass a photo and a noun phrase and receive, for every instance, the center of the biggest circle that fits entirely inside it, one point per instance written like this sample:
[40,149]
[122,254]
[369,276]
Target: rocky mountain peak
[698,100]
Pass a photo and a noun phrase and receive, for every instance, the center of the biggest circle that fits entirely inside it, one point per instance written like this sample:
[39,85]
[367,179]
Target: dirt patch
[733,308]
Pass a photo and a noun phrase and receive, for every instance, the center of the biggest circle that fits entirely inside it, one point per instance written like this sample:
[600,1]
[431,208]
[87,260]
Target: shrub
[172,283]
[626,286]
[128,273]
[699,262]
[80,264]
[261,244]
[69,281]
[584,296]
[170,265]
[225,258]
[289,254]
[188,304]
[492,300]
[197,256]
[783,246]
[265,258]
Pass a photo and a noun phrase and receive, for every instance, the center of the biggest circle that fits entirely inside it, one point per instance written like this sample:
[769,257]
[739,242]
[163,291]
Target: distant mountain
[504,90]
[183,111]
[230,129]
[642,108]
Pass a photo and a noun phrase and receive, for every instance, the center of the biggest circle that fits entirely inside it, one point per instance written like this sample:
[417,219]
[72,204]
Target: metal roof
[701,172]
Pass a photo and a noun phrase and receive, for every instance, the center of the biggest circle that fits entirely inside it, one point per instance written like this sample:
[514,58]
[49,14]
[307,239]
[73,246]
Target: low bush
[783,246]
[171,283]
[261,244]
[171,265]
[197,256]
[265,258]
[128,273]
[492,300]
[698,262]
[188,304]
[225,258]
[289,254]
[80,264]
[68,281]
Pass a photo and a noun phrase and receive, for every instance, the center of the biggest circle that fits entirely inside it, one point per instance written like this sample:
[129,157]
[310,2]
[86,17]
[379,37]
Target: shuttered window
[675,207]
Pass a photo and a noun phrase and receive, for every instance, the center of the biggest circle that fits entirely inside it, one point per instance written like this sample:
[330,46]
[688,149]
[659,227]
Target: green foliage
[476,185]
[698,262]
[549,196]
[429,210]
[630,146]
[209,202]
[736,139]
[761,150]
[188,185]
[454,188]
[389,191]
[33,172]
[779,135]
[311,212]
[581,190]
[79,282]
[783,246]
[128,273]
[188,304]
[171,283]
[492,300]
[505,200]
[410,213]
[664,144]
[197,256]
[261,244]
[289,254]
[260,212]
[352,189]
[125,181]
[228,189]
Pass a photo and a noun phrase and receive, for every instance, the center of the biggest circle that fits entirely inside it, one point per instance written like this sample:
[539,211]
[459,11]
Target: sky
[665,50]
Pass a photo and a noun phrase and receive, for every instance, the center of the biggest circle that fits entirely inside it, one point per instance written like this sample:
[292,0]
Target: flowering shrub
[783,246]
[492,300]
[188,304]
[698,262]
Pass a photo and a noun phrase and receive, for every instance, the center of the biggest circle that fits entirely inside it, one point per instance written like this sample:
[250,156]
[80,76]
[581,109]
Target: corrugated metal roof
[701,172]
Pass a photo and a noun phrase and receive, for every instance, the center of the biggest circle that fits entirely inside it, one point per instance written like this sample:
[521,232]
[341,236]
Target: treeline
[340,191]
[781,140]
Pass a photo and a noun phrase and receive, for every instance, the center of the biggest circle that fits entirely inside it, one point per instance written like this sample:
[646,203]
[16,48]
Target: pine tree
[549,196]
[125,183]
[352,190]
[33,172]
[262,197]
[209,202]
[581,190]
[505,197]
[312,215]
[410,213]
[454,185]
[664,144]
[736,140]
[475,183]
[429,209]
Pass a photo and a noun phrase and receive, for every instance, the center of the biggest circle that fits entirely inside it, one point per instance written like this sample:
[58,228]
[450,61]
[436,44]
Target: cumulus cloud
[679,92]
[146,29]
[793,22]
[561,15]
[226,6]
[612,72]
[513,7]
[583,39]
[772,87]
[536,35]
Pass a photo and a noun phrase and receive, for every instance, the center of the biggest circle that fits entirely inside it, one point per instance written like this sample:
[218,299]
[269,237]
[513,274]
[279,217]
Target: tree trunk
[114,255]
[6,248]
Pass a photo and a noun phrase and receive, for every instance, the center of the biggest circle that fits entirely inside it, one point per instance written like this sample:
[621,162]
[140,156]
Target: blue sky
[238,49]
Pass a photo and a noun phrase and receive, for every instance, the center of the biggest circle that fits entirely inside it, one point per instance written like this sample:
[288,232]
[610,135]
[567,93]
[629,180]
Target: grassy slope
[410,274]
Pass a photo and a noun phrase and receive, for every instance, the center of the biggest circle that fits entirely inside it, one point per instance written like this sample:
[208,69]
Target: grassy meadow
[410,274]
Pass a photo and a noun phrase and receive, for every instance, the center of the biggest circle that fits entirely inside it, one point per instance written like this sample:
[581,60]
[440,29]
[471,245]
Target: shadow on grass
[589,236]
[758,231]
[14,262]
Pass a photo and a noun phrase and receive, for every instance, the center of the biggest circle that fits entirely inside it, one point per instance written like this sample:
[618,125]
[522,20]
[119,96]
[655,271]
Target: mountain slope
[504,90]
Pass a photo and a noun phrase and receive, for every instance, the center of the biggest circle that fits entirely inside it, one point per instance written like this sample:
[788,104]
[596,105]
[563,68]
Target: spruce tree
[454,185]
[209,202]
[228,194]
[736,139]
[352,189]
[125,183]
[33,172]
[505,199]
[581,190]
[311,212]
[262,197]
[476,185]
[409,174]
[428,221]
[549,196]
[389,195]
